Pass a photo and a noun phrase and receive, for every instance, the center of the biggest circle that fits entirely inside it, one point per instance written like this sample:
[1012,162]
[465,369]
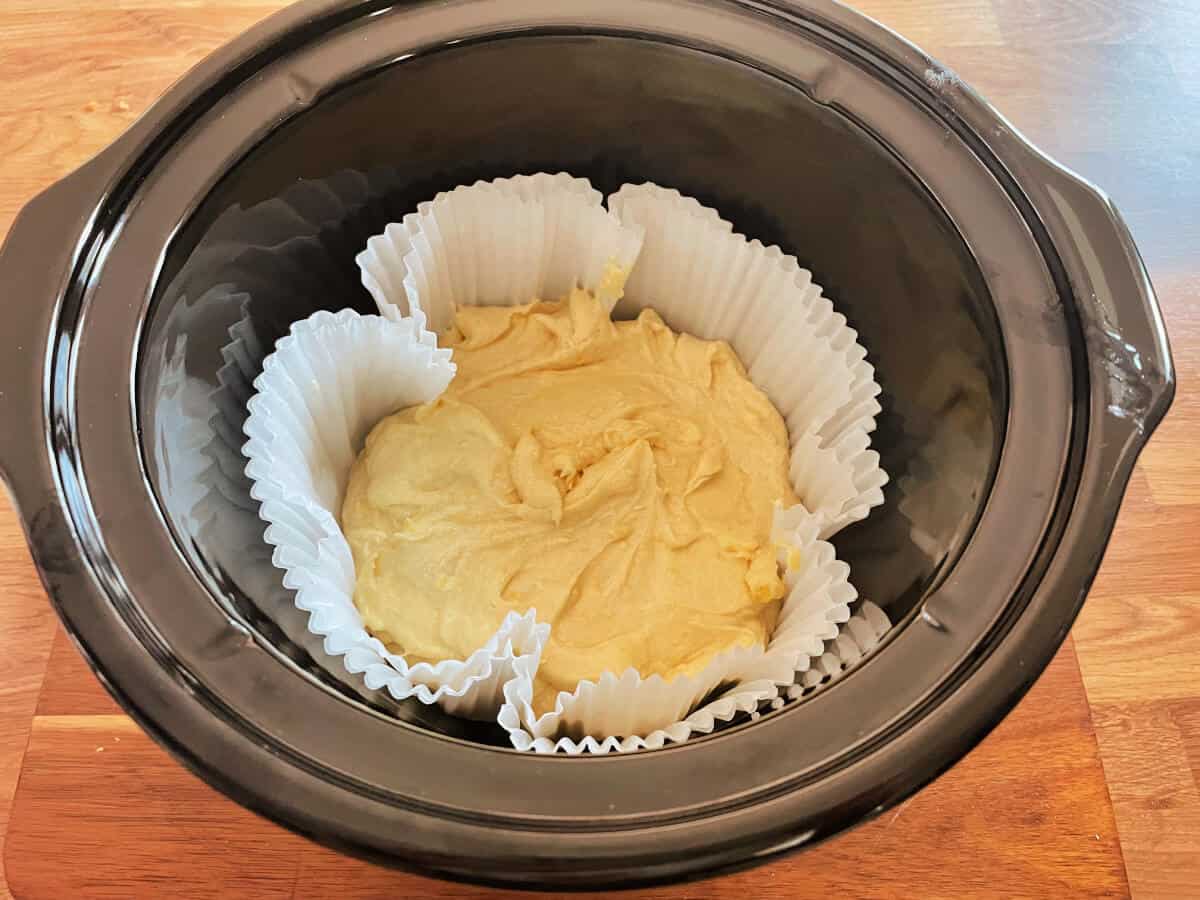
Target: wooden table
[1088,789]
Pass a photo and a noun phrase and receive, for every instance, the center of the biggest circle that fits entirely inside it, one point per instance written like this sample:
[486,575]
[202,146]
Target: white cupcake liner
[705,280]
[436,259]
[856,639]
[497,243]
[320,392]
[509,243]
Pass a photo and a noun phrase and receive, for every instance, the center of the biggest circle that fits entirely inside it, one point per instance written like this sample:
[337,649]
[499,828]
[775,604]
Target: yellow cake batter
[615,476]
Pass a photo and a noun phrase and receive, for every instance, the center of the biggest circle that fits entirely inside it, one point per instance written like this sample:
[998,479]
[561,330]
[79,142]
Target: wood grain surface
[1027,814]
[1111,88]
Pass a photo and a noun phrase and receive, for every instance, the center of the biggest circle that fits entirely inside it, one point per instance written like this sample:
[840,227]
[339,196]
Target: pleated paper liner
[498,243]
[856,639]
[325,386]
[463,248]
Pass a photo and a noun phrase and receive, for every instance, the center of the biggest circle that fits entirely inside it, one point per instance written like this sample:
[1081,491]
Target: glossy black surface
[1002,299]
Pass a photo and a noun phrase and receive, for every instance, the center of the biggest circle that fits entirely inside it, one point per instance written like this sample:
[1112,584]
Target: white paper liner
[510,241]
[320,392]
[434,260]
[705,280]
[856,639]
[497,243]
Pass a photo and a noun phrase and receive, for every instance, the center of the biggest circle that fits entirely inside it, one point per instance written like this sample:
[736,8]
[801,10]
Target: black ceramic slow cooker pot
[1012,324]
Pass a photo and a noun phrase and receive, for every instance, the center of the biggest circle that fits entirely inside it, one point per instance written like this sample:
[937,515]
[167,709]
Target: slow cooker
[1012,324]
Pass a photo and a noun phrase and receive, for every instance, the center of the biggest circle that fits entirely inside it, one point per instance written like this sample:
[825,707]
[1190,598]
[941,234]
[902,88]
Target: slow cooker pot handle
[48,240]
[1133,378]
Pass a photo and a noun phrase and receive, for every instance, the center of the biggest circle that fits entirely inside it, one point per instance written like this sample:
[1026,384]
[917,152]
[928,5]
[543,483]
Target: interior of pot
[276,240]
